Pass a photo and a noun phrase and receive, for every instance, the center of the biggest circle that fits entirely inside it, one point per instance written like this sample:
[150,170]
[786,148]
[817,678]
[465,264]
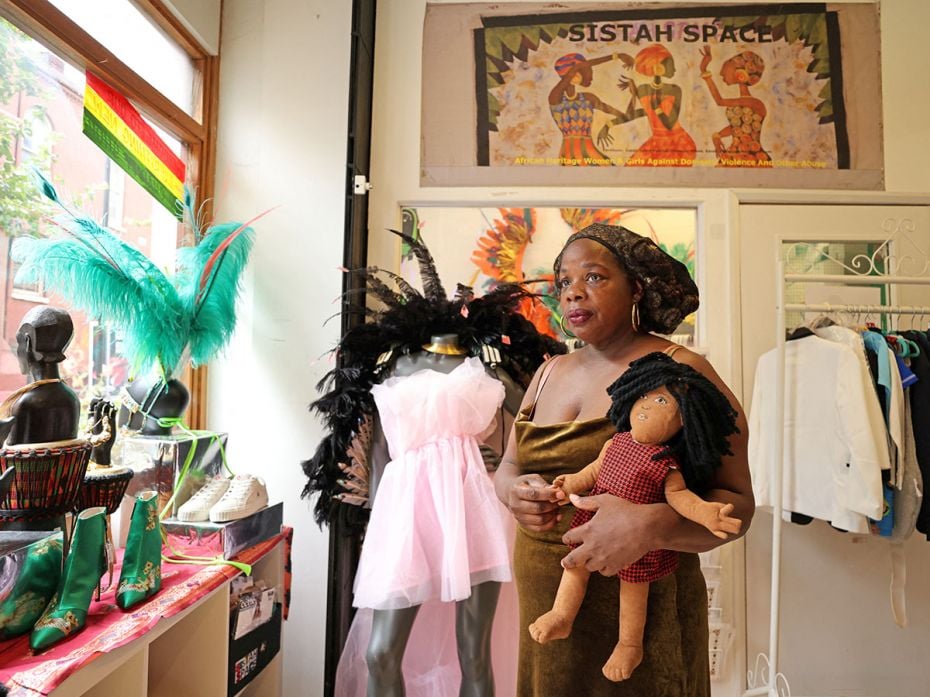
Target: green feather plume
[161,319]
[106,278]
[208,283]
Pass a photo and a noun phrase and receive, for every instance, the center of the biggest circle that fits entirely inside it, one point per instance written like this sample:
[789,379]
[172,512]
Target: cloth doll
[673,424]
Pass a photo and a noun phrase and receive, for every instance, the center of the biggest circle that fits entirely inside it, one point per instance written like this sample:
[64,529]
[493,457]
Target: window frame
[56,31]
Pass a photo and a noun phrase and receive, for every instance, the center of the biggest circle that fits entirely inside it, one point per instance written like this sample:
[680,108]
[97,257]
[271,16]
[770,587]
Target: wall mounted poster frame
[738,96]
[483,246]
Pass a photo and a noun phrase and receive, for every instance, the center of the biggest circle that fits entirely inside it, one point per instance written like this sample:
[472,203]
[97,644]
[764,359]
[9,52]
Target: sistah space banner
[673,95]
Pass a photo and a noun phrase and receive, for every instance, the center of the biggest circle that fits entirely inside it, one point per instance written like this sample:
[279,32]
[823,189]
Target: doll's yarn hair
[708,417]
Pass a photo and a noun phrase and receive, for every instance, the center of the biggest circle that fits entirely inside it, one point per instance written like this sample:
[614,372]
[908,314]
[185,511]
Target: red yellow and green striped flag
[119,130]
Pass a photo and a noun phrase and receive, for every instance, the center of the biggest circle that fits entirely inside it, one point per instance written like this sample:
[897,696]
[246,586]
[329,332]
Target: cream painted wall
[282,143]
[395,178]
[282,135]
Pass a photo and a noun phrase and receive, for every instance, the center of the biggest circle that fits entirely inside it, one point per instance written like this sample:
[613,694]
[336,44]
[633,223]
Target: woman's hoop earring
[634,317]
[564,330]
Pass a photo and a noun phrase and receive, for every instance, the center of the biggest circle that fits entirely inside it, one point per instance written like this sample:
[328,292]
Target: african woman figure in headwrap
[745,113]
[660,102]
[573,110]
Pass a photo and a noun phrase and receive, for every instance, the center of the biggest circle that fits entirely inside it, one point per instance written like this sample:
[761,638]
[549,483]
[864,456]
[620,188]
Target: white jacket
[835,440]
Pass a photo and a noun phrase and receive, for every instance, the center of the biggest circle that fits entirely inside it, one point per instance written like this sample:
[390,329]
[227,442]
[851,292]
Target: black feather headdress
[402,325]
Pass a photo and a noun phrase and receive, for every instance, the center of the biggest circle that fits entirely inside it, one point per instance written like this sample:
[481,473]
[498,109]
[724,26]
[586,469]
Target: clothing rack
[765,679]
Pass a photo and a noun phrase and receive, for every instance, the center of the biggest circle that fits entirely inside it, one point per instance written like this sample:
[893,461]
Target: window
[38,136]
[41,117]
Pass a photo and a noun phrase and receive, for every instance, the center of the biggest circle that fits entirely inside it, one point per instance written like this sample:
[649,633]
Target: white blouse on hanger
[835,442]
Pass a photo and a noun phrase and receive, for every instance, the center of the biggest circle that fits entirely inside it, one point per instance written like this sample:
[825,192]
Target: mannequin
[474,615]
[46,410]
[148,399]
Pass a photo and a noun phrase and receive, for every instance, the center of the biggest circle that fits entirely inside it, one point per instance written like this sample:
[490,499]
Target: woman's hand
[532,502]
[619,533]
[705,58]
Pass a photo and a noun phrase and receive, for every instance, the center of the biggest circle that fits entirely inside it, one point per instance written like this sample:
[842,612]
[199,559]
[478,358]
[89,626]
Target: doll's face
[655,417]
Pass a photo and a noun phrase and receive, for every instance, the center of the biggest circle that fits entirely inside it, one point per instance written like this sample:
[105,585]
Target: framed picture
[482,247]
[756,95]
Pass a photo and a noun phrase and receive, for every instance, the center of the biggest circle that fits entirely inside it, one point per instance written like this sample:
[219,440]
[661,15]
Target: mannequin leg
[628,653]
[557,623]
[474,618]
[390,630]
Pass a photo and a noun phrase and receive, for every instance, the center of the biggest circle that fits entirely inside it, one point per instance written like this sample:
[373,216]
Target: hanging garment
[890,379]
[834,436]
[919,397]
[435,528]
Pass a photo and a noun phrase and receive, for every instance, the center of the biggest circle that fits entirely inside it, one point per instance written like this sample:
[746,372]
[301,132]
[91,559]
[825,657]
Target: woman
[745,113]
[660,102]
[615,287]
[573,110]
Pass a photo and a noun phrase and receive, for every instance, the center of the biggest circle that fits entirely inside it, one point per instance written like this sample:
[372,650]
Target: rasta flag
[118,129]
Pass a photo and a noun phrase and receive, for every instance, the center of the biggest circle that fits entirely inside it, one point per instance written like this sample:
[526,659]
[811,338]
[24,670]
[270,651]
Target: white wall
[395,177]
[282,144]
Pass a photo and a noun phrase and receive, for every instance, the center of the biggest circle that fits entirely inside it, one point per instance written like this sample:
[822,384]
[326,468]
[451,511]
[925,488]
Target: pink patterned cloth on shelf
[108,628]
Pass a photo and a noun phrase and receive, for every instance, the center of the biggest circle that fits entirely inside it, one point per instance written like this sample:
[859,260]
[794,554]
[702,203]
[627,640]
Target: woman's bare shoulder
[683,354]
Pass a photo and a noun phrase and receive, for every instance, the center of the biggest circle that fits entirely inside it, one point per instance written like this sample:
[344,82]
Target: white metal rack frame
[878,268]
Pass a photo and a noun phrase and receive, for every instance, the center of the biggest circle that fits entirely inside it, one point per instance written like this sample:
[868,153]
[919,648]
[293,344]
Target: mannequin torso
[391,628]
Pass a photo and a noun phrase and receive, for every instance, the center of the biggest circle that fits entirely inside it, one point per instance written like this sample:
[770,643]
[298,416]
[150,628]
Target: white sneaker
[246,495]
[197,507]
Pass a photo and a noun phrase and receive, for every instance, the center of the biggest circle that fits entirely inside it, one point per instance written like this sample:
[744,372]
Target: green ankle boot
[141,574]
[85,565]
[38,579]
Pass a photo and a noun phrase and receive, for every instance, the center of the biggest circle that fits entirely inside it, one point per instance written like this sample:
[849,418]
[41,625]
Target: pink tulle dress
[435,528]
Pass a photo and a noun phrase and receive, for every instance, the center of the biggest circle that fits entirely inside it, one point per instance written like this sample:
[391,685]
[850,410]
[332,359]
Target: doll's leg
[474,617]
[390,630]
[628,652]
[557,623]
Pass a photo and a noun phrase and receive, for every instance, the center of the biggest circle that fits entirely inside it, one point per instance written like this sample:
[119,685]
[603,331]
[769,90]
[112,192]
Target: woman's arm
[531,500]
[622,532]
[671,118]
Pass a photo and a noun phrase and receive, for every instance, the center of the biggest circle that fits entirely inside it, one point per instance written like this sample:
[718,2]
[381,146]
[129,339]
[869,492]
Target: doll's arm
[712,515]
[580,481]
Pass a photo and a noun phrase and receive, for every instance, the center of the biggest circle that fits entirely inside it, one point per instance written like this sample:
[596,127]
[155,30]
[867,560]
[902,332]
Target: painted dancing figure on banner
[744,113]
[573,110]
[660,102]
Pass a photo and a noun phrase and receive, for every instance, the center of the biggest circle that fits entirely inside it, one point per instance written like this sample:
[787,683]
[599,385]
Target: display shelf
[184,654]
[190,659]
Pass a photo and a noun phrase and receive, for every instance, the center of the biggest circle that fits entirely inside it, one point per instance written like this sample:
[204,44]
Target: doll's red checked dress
[630,471]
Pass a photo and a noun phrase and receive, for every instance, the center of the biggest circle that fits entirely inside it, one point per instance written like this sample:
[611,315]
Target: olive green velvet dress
[676,661]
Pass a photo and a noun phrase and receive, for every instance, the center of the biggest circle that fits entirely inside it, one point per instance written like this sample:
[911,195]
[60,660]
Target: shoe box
[226,539]
[157,461]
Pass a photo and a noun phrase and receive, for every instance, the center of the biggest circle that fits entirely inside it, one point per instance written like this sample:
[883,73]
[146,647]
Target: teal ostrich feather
[208,283]
[161,319]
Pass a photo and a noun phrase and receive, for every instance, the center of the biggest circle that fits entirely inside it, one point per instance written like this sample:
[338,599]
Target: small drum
[103,486]
[46,479]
